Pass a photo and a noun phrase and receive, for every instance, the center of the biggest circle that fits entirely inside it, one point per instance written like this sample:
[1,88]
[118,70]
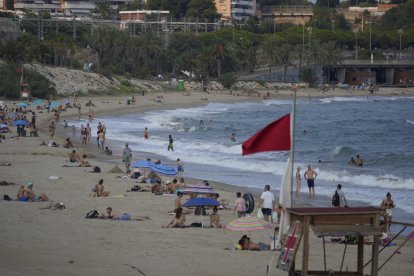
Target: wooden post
[375,249]
[305,257]
[360,263]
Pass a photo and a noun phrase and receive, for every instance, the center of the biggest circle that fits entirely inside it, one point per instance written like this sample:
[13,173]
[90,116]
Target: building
[239,10]
[82,8]
[293,14]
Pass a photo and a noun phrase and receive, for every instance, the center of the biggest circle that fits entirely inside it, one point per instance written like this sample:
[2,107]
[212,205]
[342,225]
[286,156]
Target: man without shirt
[310,176]
[268,203]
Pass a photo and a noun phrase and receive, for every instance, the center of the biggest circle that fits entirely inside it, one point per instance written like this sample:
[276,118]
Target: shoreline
[68,244]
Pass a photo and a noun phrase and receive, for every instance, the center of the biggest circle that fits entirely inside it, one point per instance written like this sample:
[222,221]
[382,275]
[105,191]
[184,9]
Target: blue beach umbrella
[143,164]
[201,201]
[20,123]
[37,102]
[11,115]
[3,125]
[53,104]
[163,169]
[22,105]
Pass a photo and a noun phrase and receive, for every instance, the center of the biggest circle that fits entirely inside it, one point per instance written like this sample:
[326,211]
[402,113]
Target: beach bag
[335,199]
[92,214]
[135,188]
[96,170]
[274,216]
[196,224]
[260,214]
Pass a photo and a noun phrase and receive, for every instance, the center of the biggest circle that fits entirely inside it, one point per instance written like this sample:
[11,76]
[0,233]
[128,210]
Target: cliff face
[68,81]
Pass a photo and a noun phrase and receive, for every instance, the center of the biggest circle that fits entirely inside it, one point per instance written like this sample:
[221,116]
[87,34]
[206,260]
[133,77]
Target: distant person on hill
[310,176]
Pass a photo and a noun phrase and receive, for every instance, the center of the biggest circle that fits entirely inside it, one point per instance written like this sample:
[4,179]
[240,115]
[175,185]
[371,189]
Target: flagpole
[292,140]
[287,203]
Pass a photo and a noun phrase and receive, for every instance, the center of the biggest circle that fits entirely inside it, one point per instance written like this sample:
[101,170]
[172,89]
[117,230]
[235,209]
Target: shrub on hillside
[228,79]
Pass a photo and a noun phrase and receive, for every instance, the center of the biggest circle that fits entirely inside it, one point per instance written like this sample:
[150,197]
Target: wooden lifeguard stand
[357,222]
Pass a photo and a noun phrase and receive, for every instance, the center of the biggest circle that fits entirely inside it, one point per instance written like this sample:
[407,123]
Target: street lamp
[356,44]
[400,32]
[370,50]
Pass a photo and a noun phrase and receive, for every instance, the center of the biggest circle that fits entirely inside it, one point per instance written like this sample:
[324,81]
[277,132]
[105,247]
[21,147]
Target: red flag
[274,137]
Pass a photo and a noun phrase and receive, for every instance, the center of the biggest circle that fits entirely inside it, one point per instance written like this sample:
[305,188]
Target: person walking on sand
[387,204]
[338,197]
[52,128]
[298,181]
[180,167]
[126,156]
[170,143]
[268,203]
[310,176]
[146,133]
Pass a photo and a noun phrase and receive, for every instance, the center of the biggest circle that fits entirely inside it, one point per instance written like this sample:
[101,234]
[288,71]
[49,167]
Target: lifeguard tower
[354,222]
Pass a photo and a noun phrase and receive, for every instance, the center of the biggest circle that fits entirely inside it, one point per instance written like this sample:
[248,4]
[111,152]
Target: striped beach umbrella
[248,224]
[143,164]
[163,169]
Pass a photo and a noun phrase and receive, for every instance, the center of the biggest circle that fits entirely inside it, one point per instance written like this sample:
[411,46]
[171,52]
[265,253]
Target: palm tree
[270,54]
[284,57]
[330,56]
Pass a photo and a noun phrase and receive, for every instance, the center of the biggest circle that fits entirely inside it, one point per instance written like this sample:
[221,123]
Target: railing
[287,9]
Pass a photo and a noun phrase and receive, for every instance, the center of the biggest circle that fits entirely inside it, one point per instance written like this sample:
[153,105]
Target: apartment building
[236,9]
[82,8]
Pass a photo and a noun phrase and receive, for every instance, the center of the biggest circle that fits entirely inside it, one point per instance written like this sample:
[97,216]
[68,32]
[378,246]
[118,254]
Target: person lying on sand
[178,220]
[112,216]
[246,244]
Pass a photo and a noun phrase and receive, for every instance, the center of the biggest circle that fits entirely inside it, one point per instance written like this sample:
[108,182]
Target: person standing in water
[146,134]
[310,176]
[180,167]
[170,143]
[233,137]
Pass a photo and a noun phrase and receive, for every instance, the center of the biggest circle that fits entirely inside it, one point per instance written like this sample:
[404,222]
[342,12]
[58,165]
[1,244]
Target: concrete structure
[295,14]
[239,10]
[82,8]
[140,15]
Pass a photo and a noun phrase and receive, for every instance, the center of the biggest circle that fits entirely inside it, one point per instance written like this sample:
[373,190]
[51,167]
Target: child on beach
[180,167]
[239,206]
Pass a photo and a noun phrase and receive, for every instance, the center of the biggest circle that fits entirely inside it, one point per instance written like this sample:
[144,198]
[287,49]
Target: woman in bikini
[179,219]
[387,204]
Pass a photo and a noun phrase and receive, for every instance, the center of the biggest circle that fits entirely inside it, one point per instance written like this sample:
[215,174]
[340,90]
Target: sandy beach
[36,241]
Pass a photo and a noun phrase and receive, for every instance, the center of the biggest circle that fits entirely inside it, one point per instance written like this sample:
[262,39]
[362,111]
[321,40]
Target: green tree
[203,9]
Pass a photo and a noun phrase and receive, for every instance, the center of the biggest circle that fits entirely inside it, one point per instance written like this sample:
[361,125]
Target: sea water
[329,131]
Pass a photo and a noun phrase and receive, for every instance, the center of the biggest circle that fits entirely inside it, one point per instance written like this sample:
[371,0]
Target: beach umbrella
[202,202]
[54,104]
[37,102]
[65,101]
[248,224]
[199,189]
[163,169]
[143,164]
[11,115]
[20,123]
[22,105]
[3,125]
